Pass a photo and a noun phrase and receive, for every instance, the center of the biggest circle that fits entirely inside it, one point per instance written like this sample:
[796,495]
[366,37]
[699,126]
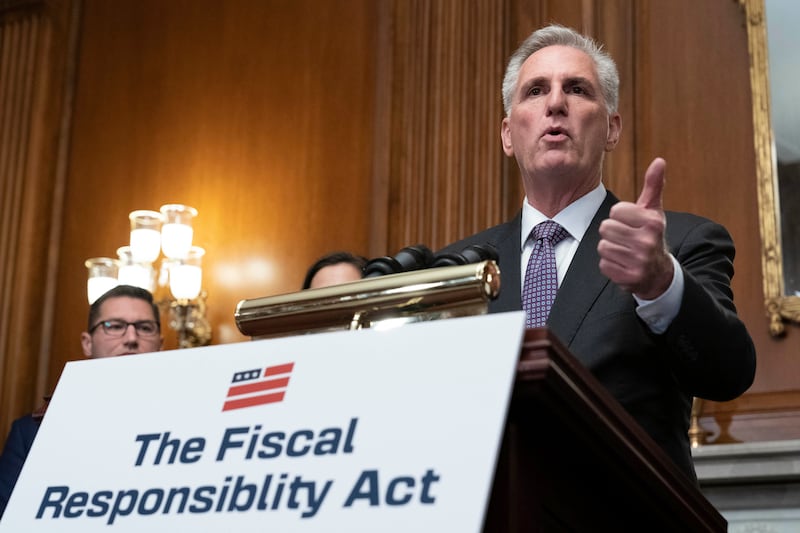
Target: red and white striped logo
[254,387]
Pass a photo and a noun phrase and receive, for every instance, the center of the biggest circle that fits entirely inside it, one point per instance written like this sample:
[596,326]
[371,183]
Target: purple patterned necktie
[541,278]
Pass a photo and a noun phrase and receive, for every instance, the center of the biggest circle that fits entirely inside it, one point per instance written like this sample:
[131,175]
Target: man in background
[642,297]
[123,321]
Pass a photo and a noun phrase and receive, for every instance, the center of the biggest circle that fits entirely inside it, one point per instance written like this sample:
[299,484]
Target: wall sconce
[178,286]
[103,272]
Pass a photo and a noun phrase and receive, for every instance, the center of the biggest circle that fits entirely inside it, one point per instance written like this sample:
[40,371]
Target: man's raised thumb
[654,178]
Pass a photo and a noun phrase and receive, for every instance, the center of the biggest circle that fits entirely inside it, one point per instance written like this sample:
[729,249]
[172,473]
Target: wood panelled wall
[35,46]
[258,114]
[297,128]
[444,173]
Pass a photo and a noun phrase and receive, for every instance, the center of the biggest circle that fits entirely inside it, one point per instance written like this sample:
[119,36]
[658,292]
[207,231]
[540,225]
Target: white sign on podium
[390,431]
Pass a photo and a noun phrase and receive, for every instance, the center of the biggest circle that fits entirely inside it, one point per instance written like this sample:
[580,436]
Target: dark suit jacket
[706,351]
[18,444]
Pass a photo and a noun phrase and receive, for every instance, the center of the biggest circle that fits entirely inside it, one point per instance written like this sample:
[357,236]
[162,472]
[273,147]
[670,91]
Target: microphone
[474,253]
[409,258]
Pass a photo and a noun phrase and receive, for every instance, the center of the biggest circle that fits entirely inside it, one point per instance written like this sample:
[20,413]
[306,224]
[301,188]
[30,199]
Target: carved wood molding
[753,417]
[778,306]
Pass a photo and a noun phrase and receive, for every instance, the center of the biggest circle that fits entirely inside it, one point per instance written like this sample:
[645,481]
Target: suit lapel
[509,253]
[583,282]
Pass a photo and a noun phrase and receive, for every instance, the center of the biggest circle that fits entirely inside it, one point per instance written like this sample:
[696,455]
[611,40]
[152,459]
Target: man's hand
[633,253]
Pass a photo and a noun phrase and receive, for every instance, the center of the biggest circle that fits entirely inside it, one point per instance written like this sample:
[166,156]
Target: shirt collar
[575,218]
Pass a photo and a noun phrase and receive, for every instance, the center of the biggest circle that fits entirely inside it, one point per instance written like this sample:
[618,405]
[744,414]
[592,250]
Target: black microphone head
[409,258]
[381,266]
[414,257]
[446,260]
[475,253]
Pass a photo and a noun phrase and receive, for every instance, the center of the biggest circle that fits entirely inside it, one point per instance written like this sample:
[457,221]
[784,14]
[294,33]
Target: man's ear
[505,136]
[86,344]
[614,129]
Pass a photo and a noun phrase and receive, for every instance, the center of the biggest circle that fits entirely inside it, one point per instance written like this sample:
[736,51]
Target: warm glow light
[102,276]
[145,235]
[176,239]
[136,275]
[96,287]
[177,232]
[185,276]
[145,245]
[170,231]
[185,281]
[133,273]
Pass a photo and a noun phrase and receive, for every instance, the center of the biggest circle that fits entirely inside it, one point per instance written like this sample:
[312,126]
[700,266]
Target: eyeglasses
[117,328]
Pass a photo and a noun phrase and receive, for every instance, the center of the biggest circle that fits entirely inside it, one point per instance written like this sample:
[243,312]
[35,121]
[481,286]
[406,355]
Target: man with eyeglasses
[123,321]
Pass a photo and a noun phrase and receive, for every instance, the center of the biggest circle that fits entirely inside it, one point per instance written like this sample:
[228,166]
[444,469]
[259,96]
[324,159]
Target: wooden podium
[573,460]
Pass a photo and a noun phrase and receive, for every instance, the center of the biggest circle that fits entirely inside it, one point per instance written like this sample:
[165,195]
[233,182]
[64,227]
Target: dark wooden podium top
[573,459]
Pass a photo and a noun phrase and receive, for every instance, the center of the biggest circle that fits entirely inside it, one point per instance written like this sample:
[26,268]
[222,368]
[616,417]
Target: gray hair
[553,35]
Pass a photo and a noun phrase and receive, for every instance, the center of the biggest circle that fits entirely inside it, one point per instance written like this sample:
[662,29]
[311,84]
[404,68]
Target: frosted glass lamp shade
[133,273]
[186,275]
[145,235]
[103,273]
[177,232]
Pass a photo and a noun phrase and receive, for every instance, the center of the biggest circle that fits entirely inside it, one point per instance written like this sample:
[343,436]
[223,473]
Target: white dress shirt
[658,314]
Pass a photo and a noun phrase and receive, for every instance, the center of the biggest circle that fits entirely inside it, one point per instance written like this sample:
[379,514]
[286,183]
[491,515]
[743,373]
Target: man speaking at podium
[641,296]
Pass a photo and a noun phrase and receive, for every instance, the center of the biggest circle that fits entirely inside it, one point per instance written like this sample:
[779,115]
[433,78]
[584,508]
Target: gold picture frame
[779,307]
